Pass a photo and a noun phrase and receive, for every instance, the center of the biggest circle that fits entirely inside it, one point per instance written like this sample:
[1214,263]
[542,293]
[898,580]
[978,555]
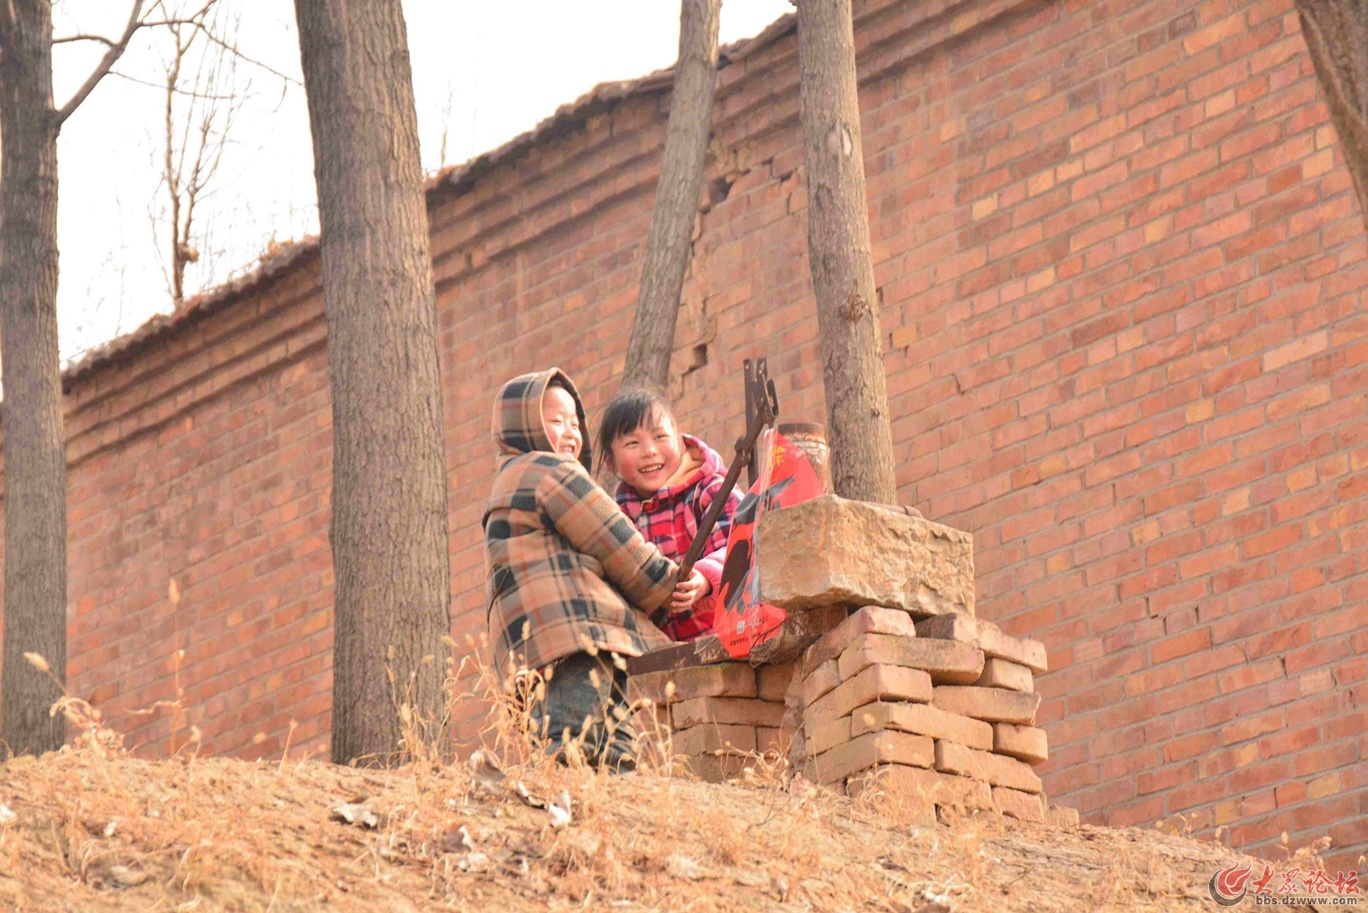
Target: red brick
[916,783]
[873,750]
[922,719]
[996,769]
[995,705]
[875,683]
[867,620]
[732,710]
[944,661]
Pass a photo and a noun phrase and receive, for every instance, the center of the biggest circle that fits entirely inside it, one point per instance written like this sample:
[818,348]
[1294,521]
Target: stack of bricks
[713,719]
[942,709]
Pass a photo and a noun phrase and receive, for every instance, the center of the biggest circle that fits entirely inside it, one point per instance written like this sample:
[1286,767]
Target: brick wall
[1122,277]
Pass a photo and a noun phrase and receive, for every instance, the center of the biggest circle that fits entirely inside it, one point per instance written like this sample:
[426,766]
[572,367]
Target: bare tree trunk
[1336,33]
[676,203]
[35,455]
[838,250]
[389,509]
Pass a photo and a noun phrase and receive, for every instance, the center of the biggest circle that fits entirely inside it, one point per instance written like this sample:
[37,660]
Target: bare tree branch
[68,39]
[106,63]
[188,93]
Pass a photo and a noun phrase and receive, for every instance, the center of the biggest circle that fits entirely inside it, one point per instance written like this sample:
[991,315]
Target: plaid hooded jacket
[670,519]
[565,569]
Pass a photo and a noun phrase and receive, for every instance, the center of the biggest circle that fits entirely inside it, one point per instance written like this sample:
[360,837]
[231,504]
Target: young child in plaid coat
[669,480]
[571,582]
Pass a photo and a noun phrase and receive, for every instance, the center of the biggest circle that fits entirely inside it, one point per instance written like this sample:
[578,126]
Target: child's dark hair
[627,412]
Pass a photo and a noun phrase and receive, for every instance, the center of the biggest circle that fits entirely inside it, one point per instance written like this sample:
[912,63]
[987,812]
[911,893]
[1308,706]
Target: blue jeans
[585,704]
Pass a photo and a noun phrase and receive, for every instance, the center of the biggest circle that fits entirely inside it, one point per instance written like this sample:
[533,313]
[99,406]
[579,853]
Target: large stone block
[829,551]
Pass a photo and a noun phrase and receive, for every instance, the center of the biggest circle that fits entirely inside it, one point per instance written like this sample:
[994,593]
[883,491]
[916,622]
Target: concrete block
[829,551]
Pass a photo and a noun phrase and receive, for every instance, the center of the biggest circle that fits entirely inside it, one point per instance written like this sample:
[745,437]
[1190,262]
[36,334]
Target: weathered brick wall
[1122,278]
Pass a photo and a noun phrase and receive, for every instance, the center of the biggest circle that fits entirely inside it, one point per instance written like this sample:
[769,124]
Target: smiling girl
[669,480]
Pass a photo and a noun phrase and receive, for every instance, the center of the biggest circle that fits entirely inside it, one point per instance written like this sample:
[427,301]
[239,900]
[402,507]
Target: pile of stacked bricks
[714,719]
[915,696]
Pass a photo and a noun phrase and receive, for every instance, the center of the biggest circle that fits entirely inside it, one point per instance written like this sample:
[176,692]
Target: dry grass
[94,829]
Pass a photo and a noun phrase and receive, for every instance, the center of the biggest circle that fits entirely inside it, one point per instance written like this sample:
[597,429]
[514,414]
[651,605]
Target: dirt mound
[85,830]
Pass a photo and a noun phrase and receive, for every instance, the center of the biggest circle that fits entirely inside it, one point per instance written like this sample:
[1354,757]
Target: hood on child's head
[518,426]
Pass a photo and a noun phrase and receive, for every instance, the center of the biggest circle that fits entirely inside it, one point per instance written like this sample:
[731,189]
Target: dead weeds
[91,828]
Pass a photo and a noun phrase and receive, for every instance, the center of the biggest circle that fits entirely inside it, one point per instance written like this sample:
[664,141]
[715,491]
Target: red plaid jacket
[670,519]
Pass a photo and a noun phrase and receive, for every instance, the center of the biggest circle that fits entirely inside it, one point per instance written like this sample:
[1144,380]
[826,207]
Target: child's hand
[689,591]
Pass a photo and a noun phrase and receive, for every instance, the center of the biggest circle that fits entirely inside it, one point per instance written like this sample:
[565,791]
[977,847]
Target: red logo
[1228,886]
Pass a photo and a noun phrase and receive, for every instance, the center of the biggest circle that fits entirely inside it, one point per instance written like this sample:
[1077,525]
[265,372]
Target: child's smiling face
[561,419]
[646,457]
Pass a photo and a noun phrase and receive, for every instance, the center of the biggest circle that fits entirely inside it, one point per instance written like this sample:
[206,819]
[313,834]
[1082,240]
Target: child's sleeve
[715,552]
[594,525]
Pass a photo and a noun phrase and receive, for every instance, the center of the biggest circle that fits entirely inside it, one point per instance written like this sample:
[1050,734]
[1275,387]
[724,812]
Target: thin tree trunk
[861,438]
[1336,33]
[389,508]
[677,193]
[35,455]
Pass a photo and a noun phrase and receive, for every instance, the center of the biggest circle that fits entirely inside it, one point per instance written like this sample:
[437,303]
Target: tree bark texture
[848,324]
[676,202]
[389,503]
[1336,33]
[35,453]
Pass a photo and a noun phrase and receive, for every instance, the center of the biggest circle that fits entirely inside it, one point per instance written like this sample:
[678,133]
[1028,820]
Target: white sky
[484,72]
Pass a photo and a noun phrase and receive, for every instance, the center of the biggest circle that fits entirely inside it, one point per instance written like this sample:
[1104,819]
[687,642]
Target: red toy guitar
[786,477]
